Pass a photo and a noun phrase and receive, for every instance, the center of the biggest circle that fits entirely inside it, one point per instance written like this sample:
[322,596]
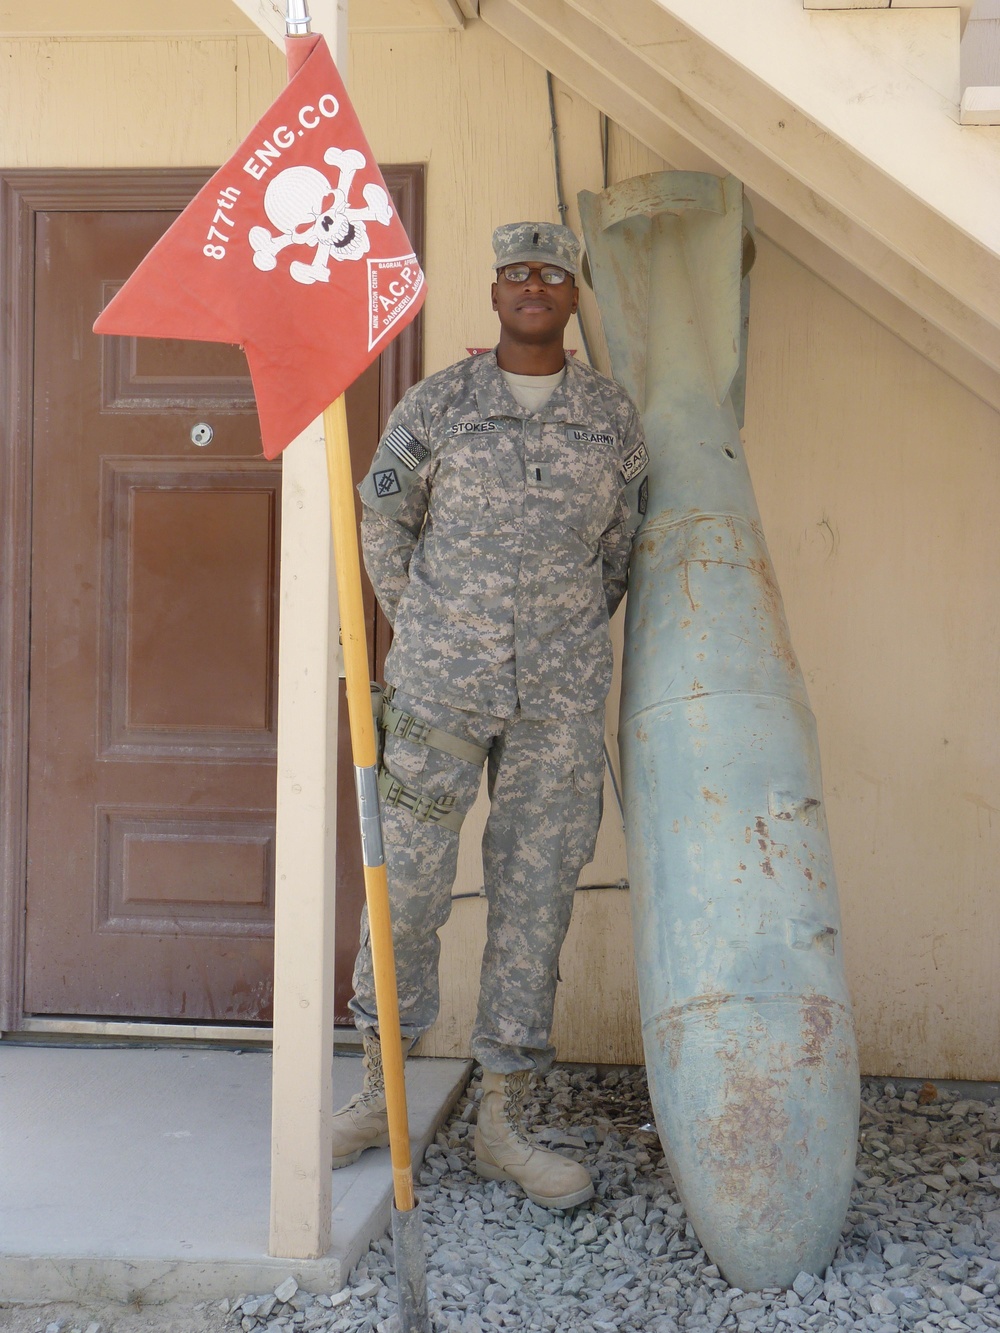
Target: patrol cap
[536,243]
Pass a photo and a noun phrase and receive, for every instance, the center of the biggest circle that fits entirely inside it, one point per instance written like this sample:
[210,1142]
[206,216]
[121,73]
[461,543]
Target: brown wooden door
[151,732]
[139,883]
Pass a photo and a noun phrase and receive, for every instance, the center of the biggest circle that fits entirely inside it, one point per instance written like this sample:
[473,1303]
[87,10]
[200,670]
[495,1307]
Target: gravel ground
[921,1249]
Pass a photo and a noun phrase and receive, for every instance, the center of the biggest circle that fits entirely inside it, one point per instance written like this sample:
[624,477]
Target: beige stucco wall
[877,476]
[102,101]
[879,486]
[878,479]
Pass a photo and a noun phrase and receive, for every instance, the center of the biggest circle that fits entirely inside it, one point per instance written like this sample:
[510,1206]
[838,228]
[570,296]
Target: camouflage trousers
[545,782]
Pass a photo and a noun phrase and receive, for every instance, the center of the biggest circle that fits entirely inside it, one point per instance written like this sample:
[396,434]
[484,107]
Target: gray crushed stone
[921,1247]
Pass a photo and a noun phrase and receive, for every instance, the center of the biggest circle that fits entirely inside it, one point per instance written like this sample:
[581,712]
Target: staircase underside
[843,127]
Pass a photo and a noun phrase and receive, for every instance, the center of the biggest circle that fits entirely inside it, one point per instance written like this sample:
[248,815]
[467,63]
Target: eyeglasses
[549,274]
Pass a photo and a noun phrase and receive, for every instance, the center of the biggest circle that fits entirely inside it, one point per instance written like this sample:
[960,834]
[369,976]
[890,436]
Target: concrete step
[145,1174]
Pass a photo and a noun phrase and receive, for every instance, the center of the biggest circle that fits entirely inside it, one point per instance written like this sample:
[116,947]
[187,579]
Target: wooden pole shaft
[352,633]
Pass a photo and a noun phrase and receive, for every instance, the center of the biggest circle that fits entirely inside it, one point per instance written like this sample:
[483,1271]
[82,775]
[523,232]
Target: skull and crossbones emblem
[307,210]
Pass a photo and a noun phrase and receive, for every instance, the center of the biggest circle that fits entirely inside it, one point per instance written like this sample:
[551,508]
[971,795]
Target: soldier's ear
[493,294]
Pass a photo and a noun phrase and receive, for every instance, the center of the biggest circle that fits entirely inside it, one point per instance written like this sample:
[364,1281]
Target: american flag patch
[407,448]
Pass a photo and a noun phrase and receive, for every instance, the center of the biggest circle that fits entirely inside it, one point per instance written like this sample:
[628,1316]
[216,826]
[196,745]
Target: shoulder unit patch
[386,482]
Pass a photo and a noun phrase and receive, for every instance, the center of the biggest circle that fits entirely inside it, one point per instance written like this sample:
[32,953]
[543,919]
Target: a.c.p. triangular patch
[393,286]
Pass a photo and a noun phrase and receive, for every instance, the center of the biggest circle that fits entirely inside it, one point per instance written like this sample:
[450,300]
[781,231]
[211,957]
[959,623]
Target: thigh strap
[425,809]
[397,723]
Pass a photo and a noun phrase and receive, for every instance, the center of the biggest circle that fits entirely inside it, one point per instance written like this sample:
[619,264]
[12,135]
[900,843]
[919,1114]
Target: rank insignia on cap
[406,447]
[386,482]
[536,243]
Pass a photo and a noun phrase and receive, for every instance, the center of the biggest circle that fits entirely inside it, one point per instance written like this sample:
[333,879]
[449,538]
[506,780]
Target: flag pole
[355,649]
[408,1247]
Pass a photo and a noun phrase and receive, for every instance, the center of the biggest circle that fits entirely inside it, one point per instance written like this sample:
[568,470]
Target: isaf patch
[643,495]
[386,482]
[407,448]
[635,463]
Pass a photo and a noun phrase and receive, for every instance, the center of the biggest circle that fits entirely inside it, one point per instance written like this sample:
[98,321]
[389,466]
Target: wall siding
[112,102]
[878,479]
[879,482]
[876,475]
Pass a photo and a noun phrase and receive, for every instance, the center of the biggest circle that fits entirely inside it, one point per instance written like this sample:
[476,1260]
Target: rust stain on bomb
[747,1141]
[686,580]
[817,1028]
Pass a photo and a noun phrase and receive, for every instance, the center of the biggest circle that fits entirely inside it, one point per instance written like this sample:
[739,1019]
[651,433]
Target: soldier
[498,518]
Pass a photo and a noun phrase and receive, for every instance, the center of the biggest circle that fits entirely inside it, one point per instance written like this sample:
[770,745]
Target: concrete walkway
[145,1174]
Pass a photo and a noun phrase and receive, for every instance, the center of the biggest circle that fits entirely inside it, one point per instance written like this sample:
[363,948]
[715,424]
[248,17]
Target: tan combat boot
[503,1153]
[363,1122]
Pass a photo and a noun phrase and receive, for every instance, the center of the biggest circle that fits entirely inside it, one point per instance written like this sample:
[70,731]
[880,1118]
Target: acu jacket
[498,539]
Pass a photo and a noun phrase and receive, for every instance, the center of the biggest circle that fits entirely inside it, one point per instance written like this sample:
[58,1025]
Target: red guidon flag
[292,249]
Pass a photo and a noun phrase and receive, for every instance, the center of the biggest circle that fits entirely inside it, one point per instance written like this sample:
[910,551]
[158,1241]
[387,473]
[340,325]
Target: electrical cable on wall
[563,209]
[561,205]
[621,885]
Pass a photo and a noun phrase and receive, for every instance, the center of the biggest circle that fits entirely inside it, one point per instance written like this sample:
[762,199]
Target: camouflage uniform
[498,543]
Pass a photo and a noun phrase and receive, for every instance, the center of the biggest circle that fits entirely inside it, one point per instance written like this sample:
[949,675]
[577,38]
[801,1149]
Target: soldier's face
[533,310]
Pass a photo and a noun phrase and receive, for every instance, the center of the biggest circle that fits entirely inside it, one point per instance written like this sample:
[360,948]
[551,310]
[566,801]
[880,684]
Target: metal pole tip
[297,20]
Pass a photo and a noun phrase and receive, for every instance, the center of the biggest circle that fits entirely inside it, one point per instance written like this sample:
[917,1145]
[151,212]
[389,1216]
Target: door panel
[140,883]
[152,700]
[187,626]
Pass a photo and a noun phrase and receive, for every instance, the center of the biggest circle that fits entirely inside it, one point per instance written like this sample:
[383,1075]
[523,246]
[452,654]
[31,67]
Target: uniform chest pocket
[467,486]
[577,482]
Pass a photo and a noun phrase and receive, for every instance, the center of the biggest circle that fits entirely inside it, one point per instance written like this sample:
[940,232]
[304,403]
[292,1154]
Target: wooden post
[308,670]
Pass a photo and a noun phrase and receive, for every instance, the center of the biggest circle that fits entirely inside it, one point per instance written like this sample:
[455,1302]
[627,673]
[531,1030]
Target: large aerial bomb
[746,1019]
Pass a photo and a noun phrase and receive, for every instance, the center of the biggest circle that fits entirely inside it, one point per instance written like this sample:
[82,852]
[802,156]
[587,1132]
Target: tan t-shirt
[532,392]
